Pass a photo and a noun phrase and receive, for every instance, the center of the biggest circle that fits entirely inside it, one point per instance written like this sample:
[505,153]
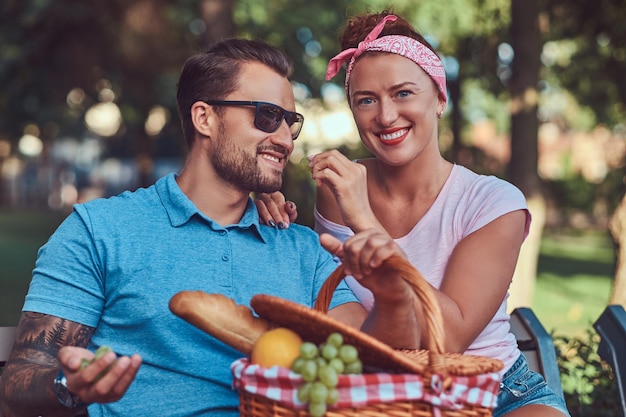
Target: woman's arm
[393,319]
[477,278]
[342,193]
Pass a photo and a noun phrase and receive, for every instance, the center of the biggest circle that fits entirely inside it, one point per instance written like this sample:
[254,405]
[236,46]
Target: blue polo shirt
[114,264]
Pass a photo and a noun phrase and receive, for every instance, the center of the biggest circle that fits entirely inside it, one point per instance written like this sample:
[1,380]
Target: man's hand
[97,383]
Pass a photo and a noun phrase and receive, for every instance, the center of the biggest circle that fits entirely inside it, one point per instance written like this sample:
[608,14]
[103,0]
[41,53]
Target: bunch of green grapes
[102,350]
[320,367]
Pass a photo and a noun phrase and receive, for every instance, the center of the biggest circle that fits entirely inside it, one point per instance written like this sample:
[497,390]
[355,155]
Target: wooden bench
[7,337]
[533,340]
[611,327]
[537,346]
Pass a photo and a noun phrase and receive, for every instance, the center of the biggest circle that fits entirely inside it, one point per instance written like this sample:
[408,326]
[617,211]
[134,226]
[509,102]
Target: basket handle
[421,288]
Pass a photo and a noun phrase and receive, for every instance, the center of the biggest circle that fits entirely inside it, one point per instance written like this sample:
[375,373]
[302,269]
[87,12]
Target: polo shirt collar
[180,209]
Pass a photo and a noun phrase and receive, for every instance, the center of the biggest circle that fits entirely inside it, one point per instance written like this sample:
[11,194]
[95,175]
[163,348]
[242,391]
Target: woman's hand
[275,211]
[347,182]
[362,255]
[104,380]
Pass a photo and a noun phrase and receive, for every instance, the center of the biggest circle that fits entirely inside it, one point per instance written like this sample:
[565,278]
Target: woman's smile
[393,137]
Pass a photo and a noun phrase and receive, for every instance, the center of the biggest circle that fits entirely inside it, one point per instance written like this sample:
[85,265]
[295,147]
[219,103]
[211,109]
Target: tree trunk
[522,169]
[522,289]
[454,87]
[218,17]
[617,227]
[4,200]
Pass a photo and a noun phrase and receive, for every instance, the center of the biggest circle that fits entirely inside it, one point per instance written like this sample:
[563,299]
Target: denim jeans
[520,386]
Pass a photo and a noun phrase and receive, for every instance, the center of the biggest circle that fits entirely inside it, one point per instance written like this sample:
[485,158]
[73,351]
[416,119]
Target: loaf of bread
[221,317]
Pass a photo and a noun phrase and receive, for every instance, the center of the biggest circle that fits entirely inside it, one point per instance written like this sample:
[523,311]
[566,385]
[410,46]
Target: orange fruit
[279,346]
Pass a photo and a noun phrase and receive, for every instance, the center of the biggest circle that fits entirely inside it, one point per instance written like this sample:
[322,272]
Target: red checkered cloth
[280,384]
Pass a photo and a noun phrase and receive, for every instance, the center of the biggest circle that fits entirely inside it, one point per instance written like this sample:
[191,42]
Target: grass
[574,277]
[21,235]
[574,280]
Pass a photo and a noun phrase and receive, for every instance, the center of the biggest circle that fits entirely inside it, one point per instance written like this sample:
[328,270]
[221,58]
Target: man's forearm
[27,390]
[27,382]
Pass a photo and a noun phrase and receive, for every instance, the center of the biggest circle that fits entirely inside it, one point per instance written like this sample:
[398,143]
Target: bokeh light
[157,119]
[104,119]
[30,145]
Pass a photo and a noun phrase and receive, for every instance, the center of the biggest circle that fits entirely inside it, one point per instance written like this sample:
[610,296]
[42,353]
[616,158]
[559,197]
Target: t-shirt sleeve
[67,279]
[342,293]
[323,225]
[490,198]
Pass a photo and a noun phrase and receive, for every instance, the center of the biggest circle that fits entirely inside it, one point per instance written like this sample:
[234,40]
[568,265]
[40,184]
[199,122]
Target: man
[107,274]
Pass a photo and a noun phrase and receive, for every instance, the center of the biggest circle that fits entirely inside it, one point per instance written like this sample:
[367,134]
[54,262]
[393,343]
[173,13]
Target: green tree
[592,69]
[524,102]
[51,48]
[135,50]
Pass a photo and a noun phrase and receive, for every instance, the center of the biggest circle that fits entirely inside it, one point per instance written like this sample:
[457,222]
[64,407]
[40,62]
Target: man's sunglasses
[268,116]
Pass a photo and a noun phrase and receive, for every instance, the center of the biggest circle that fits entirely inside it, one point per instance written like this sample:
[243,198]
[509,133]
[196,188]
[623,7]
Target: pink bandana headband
[395,44]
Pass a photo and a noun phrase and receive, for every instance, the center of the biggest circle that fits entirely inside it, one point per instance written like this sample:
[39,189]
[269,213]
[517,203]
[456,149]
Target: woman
[461,230]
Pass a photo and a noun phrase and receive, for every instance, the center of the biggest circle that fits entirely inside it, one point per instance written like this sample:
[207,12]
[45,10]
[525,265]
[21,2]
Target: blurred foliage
[309,31]
[588,382]
[591,38]
[575,194]
[136,49]
[50,47]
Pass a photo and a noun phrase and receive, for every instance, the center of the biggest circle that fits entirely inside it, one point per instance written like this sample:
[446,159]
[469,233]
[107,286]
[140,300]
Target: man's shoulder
[137,196]
[121,209]
[296,234]
[301,231]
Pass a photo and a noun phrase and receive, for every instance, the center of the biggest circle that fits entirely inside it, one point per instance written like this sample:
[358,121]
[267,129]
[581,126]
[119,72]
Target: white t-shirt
[467,202]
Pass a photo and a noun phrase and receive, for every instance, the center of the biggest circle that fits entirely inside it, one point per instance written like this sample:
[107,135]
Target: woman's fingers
[346,179]
[332,245]
[264,213]
[366,251]
[322,165]
[274,210]
[292,211]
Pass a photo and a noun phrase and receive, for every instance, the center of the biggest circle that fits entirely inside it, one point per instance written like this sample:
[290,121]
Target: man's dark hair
[214,74]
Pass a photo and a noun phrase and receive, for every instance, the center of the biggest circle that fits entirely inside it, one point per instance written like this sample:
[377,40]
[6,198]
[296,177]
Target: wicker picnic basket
[315,325]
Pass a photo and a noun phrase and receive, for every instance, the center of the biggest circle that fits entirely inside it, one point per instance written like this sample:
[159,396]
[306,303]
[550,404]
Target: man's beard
[239,168]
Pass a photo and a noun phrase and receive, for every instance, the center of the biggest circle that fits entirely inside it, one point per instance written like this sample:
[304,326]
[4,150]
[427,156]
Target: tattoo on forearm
[33,364]
[40,337]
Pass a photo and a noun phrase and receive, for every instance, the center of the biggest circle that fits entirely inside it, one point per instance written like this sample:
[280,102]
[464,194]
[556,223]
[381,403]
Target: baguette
[220,317]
